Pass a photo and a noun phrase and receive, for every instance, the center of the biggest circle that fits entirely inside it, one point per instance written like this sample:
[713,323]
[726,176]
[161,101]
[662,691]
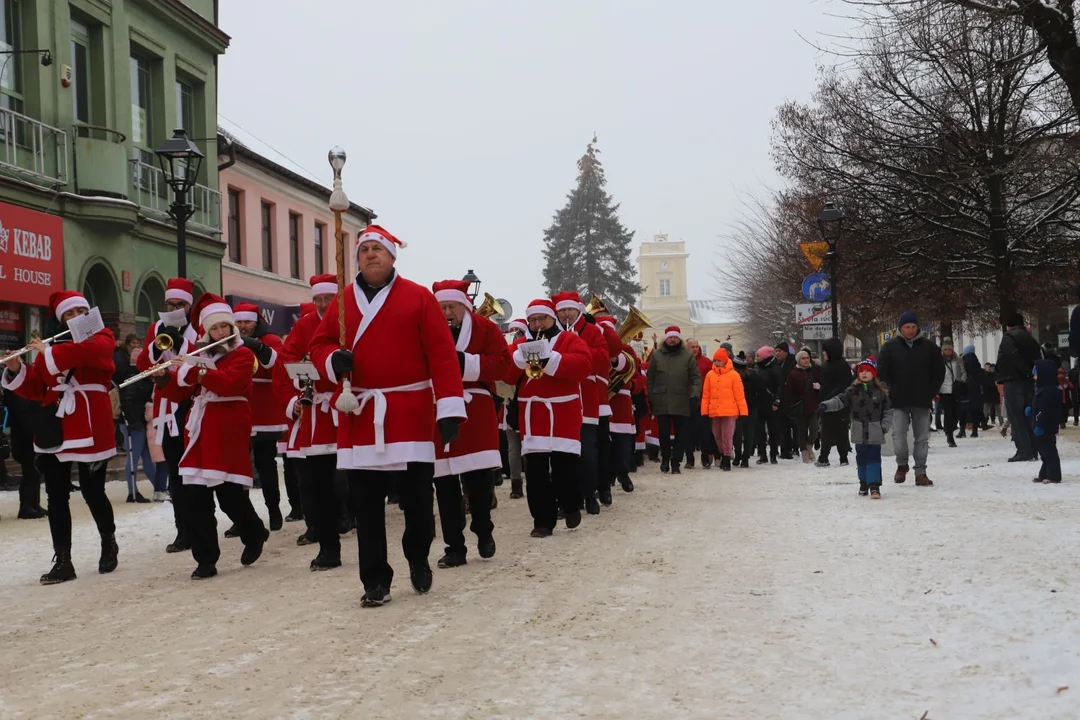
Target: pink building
[278,229]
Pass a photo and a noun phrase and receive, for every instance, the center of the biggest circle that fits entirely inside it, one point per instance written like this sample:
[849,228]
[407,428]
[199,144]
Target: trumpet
[163,342]
[28,348]
[535,369]
[197,351]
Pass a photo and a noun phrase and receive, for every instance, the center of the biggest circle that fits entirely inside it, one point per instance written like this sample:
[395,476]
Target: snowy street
[773,592]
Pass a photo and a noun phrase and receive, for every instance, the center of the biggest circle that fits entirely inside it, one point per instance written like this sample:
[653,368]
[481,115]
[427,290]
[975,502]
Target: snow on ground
[762,593]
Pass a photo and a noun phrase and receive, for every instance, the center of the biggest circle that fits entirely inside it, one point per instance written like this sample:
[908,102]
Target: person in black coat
[133,401]
[785,357]
[769,426]
[975,384]
[1046,414]
[1017,355]
[21,415]
[836,377]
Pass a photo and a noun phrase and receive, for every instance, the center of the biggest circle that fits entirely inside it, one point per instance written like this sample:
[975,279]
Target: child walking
[1047,412]
[871,421]
[723,400]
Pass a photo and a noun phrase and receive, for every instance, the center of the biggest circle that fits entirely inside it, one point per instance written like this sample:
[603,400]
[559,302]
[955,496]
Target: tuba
[596,306]
[634,323]
[489,307]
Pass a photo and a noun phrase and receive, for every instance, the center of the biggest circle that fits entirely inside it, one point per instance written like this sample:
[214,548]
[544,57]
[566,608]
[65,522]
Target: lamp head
[336,156]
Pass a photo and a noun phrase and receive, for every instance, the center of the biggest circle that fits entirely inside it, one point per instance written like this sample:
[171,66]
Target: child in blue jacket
[1047,414]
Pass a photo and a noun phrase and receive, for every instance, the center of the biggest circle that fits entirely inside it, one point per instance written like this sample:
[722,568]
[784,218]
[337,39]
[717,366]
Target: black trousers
[1046,446]
[668,449]
[30,485]
[173,449]
[292,485]
[621,454]
[769,431]
[703,436]
[743,440]
[834,433]
[504,453]
[550,483]
[264,457]
[588,466]
[949,407]
[58,489]
[320,488]
[479,487]
[202,520]
[368,490]
[603,451]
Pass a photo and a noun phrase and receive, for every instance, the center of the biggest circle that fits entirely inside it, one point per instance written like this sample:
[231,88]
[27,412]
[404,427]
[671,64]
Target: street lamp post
[474,286]
[180,161]
[831,225]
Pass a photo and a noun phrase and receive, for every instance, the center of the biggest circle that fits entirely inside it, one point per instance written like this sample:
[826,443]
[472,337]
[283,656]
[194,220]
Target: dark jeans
[292,485]
[322,502]
[1018,396]
[368,490]
[58,488]
[834,433]
[264,457]
[479,487]
[949,408]
[664,424]
[173,448]
[202,520]
[745,428]
[868,463]
[768,430]
[588,465]
[789,433]
[1051,462]
[549,484]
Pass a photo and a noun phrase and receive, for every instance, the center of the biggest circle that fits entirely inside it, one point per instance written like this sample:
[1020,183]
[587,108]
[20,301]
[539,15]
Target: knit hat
[740,359]
[211,309]
[452,291]
[765,352]
[62,301]
[783,347]
[727,346]
[868,364]
[1014,320]
[907,318]
[722,355]
[382,236]
[180,289]
[969,350]
[325,284]
[673,331]
[541,306]
[946,342]
[802,354]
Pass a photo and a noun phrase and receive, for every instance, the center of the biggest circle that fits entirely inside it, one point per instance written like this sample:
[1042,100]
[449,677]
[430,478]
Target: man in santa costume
[623,425]
[71,380]
[606,325]
[396,353]
[267,410]
[312,443]
[550,416]
[570,309]
[520,329]
[169,417]
[289,474]
[217,453]
[468,461]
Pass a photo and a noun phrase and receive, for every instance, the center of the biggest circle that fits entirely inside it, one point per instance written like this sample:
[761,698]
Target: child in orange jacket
[724,401]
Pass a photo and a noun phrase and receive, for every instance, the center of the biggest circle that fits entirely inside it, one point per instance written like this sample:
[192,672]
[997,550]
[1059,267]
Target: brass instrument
[36,336]
[163,342]
[199,349]
[535,369]
[489,307]
[634,323]
[596,306]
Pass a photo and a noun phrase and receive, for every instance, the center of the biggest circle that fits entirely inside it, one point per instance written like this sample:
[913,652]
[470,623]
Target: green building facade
[88,90]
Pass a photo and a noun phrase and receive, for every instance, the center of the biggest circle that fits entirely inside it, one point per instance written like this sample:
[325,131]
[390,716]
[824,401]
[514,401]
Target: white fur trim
[269,428]
[50,362]
[453,296]
[16,382]
[178,294]
[619,364]
[623,428]
[313,450]
[605,411]
[519,360]
[329,368]
[586,420]
[214,309]
[71,303]
[273,360]
[83,457]
[482,460]
[569,305]
[607,323]
[246,316]
[449,407]
[539,310]
[323,288]
[553,363]
[672,334]
[515,325]
[291,406]
[364,237]
[543,444]
[182,375]
[212,478]
[395,456]
[472,368]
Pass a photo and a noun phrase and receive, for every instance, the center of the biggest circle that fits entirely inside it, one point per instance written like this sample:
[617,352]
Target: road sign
[816,332]
[815,287]
[506,314]
[814,314]
[814,252]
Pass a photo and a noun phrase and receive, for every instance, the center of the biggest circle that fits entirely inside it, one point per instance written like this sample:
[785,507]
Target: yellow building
[665,299]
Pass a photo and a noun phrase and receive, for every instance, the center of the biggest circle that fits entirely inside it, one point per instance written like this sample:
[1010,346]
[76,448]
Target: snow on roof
[710,312]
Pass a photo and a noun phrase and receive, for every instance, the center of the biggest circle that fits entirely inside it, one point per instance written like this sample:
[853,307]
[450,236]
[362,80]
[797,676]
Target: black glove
[341,361]
[263,352]
[448,429]
[461,361]
[175,336]
[589,318]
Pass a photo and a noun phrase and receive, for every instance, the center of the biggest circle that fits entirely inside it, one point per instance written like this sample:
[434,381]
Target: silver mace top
[339,201]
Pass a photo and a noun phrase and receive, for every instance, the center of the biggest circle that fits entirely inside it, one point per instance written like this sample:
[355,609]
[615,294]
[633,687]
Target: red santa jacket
[594,399]
[76,376]
[164,409]
[614,346]
[622,405]
[549,407]
[401,353]
[267,410]
[217,443]
[485,359]
[316,431]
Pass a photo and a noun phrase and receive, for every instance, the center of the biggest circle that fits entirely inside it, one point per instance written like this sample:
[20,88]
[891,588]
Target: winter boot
[863,489]
[725,463]
[923,481]
[901,473]
[276,521]
[690,461]
[516,492]
[665,466]
[875,492]
[109,552]
[253,551]
[745,463]
[62,569]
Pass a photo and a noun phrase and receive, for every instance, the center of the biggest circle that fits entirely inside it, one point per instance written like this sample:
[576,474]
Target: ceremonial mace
[339,203]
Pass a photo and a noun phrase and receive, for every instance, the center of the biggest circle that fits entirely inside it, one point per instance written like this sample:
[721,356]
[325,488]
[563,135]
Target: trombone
[19,353]
[166,363]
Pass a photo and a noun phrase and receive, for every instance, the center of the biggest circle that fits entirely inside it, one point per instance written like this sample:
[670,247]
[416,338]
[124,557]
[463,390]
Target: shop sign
[31,255]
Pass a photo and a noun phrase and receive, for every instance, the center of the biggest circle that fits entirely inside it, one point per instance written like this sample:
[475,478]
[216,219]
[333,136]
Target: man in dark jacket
[836,376]
[20,416]
[913,368]
[785,358]
[1017,355]
[673,378]
[769,426]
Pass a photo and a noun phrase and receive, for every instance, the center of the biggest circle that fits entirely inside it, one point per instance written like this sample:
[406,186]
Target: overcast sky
[463,119]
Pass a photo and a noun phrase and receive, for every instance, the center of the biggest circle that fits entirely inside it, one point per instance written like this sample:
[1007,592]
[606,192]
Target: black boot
[604,493]
[254,550]
[592,505]
[325,561]
[306,539]
[62,569]
[204,572]
[725,463]
[276,520]
[35,512]
[516,490]
[664,466]
[180,544]
[690,461]
[109,552]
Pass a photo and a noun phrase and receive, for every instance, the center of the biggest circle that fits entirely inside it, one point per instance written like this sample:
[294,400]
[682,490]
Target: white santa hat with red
[673,331]
[180,289]
[382,236]
[325,284]
[452,291]
[541,306]
[65,300]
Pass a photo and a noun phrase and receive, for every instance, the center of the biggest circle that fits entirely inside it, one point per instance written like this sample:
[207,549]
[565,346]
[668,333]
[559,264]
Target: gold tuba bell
[489,307]
[634,323]
[596,306]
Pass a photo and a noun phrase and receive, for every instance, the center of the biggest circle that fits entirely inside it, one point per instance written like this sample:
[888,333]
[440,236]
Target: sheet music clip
[302,371]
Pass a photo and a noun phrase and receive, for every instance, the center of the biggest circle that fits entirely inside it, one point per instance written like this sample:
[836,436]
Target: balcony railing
[33,149]
[153,195]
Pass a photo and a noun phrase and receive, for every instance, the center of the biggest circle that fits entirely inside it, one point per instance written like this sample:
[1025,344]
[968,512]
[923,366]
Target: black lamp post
[474,286]
[831,224]
[180,161]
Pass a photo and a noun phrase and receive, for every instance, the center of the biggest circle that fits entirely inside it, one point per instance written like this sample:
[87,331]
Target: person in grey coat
[673,379]
[871,422]
[953,388]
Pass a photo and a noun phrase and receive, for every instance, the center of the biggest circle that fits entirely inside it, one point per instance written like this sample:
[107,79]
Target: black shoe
[252,552]
[604,494]
[140,499]
[109,552]
[451,560]
[62,570]
[486,547]
[516,492]
[324,561]
[844,462]
[772,460]
[952,443]
[706,462]
[306,539]
[179,545]
[822,463]
[592,505]
[664,466]
[420,574]
[203,572]
[725,463]
[130,498]
[276,520]
[689,465]
[232,532]
[1020,458]
[393,499]
[863,490]
[762,460]
[975,433]
[786,456]
[627,485]
[675,469]
[961,434]
[294,515]
[573,519]
[345,526]
[375,597]
[745,463]
[34,512]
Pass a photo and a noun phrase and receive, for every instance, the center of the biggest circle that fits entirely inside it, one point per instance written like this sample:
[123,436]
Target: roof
[710,312]
[251,149]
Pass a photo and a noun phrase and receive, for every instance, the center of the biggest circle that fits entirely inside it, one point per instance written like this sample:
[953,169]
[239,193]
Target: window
[267,237]
[294,245]
[320,231]
[10,65]
[141,109]
[234,225]
[185,107]
[665,288]
[80,71]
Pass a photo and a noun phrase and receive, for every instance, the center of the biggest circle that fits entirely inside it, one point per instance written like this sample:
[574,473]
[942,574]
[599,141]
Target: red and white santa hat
[325,284]
[212,309]
[541,306]
[606,320]
[452,291]
[62,301]
[246,312]
[673,331]
[180,289]
[568,300]
[382,236]
[518,324]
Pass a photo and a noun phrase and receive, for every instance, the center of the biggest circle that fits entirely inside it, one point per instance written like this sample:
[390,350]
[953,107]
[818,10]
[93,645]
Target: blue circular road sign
[815,287]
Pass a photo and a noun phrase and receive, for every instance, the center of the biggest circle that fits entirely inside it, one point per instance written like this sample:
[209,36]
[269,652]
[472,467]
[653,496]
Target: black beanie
[1014,320]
